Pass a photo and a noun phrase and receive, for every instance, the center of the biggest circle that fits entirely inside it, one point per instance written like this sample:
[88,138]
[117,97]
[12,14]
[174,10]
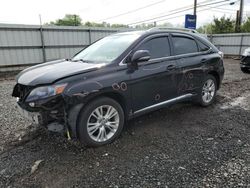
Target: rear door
[190,61]
[154,81]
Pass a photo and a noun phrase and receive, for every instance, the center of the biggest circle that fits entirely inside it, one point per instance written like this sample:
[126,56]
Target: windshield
[106,49]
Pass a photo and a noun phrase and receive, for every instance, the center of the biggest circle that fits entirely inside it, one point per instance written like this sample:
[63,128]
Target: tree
[119,26]
[219,25]
[68,20]
[104,24]
[93,24]
[207,29]
[246,25]
[150,25]
[223,25]
[75,20]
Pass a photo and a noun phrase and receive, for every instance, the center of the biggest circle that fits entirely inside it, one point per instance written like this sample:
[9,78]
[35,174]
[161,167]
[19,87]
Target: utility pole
[195,6]
[241,12]
[40,20]
[239,17]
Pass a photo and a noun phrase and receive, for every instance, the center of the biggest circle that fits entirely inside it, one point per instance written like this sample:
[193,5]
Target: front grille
[21,91]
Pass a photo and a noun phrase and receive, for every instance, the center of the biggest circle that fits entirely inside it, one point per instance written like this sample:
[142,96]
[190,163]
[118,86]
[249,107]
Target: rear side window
[157,47]
[184,45]
[203,47]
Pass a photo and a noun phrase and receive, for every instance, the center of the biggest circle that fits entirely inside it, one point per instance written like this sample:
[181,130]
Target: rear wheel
[245,70]
[208,91]
[100,122]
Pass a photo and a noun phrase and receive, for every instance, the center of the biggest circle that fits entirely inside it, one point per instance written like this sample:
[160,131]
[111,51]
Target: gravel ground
[181,146]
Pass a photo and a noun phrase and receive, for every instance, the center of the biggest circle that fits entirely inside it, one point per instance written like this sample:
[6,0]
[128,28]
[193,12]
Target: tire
[204,91]
[245,70]
[95,130]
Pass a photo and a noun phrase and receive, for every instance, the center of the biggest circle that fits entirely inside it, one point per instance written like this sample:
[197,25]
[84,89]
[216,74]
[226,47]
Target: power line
[197,11]
[221,11]
[132,11]
[227,9]
[176,12]
[188,6]
[178,9]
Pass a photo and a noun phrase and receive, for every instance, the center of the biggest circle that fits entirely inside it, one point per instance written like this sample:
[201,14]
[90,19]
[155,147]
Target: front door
[154,81]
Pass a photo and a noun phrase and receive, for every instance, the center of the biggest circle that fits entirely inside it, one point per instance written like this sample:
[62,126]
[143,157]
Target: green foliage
[119,26]
[68,20]
[150,25]
[219,25]
[104,24]
[75,20]
[223,25]
[207,29]
[246,26]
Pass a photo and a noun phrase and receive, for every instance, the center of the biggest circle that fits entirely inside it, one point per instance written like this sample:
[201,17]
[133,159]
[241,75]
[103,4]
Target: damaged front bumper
[34,117]
[52,113]
[55,120]
[52,120]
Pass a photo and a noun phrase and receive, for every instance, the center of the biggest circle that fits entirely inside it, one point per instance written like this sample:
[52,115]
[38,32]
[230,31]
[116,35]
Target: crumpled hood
[49,72]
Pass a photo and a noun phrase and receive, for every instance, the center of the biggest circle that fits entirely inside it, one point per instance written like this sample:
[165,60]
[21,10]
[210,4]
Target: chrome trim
[173,57]
[164,102]
[122,61]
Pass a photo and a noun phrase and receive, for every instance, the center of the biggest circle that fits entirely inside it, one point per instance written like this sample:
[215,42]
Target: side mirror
[140,56]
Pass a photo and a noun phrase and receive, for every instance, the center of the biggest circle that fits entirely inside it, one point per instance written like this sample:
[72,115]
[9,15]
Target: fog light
[32,104]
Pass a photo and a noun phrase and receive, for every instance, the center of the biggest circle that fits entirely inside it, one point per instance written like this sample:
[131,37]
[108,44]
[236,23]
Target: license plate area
[32,116]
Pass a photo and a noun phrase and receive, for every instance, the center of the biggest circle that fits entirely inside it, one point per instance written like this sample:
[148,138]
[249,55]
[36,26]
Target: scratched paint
[157,97]
[123,86]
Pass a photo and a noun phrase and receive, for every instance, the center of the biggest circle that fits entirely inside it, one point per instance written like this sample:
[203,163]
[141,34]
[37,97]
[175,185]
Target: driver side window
[158,47]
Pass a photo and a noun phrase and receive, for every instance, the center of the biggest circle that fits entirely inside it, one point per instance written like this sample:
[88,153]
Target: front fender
[78,95]
[80,92]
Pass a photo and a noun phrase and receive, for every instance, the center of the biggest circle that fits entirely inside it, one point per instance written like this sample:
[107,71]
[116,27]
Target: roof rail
[172,28]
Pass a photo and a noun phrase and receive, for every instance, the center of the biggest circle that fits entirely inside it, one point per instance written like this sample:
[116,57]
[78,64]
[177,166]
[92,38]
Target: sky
[27,11]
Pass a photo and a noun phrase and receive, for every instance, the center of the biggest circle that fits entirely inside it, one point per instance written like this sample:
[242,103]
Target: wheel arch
[74,111]
[217,77]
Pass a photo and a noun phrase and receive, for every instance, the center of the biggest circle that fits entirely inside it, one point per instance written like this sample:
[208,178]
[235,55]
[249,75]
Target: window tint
[202,46]
[157,47]
[184,45]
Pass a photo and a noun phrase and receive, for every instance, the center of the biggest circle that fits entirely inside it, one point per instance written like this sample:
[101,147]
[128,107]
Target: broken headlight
[45,92]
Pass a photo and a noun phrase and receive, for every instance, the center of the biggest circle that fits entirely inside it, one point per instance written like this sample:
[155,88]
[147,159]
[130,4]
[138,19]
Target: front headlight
[45,92]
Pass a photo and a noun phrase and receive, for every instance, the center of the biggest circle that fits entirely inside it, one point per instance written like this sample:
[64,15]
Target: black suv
[90,96]
[245,61]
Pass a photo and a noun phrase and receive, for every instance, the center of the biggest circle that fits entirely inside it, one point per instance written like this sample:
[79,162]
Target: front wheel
[208,91]
[100,122]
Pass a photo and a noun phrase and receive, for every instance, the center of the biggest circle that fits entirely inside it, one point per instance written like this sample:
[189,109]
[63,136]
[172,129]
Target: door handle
[203,60]
[171,67]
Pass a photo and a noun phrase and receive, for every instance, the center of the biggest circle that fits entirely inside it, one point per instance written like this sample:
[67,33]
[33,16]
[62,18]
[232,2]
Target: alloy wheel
[103,123]
[208,91]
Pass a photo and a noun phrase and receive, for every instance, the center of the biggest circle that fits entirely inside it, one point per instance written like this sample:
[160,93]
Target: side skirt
[162,104]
